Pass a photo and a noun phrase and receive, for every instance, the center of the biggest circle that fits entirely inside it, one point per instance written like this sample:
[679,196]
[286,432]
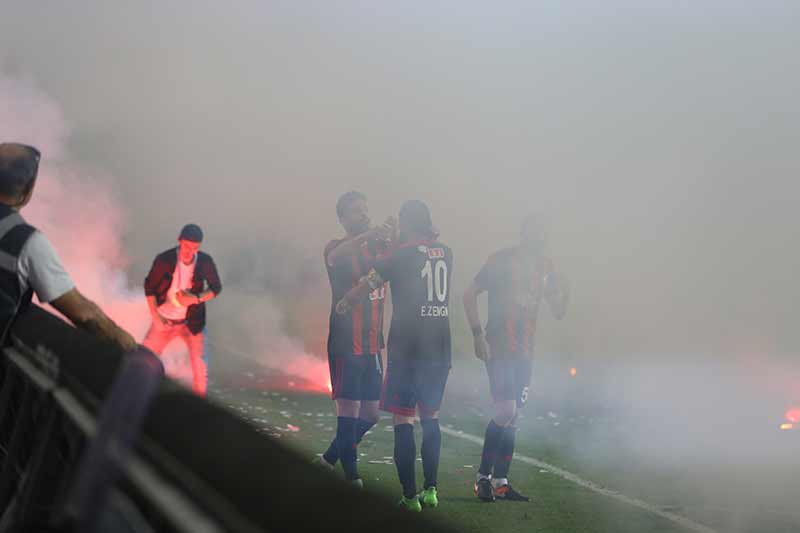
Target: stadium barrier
[94,440]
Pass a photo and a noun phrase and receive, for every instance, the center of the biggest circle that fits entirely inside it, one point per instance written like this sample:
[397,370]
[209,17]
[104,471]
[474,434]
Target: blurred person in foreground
[28,262]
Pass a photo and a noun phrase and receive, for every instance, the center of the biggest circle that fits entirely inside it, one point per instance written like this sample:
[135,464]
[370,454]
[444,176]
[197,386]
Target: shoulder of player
[331,246]
[333,243]
[502,255]
[437,244]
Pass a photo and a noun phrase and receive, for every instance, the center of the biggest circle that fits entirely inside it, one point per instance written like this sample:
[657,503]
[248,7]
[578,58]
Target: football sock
[362,427]
[331,455]
[346,442]
[491,442]
[405,452]
[505,452]
[431,446]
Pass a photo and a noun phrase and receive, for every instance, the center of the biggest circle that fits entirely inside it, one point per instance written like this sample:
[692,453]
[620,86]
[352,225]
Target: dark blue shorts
[410,384]
[356,377]
[510,378]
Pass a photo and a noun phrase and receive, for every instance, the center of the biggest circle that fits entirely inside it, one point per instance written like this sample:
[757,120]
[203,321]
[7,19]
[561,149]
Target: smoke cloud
[81,213]
[659,142]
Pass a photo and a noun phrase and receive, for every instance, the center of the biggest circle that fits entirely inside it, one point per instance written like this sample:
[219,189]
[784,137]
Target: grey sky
[661,142]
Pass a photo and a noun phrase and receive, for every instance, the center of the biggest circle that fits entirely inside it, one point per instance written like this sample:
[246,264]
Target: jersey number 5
[436,277]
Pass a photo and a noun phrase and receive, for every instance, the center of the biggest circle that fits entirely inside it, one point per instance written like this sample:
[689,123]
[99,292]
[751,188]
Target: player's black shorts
[510,378]
[409,384]
[356,377]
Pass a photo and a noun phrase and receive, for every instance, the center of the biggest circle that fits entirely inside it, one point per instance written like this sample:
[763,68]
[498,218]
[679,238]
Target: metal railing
[94,440]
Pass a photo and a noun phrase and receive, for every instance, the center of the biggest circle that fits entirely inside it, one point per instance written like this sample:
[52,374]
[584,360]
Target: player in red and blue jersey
[518,280]
[355,341]
[418,270]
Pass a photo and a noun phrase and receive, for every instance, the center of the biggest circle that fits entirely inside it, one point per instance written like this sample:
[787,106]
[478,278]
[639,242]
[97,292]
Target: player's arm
[86,315]
[350,247]
[40,265]
[367,283]
[556,293]
[470,300]
[384,270]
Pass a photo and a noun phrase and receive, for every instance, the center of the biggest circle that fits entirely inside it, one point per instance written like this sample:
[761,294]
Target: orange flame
[787,426]
[573,371]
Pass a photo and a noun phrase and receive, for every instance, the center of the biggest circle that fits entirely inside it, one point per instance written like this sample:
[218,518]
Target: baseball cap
[191,232]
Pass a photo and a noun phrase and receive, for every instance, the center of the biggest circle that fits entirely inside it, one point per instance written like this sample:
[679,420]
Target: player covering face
[354,341]
[517,280]
[418,270]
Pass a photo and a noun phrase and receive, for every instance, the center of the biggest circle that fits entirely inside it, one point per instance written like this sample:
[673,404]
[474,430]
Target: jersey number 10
[436,277]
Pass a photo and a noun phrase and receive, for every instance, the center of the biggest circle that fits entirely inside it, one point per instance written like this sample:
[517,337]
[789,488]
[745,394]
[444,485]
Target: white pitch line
[594,487]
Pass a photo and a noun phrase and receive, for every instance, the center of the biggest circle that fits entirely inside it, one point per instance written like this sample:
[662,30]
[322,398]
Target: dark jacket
[159,279]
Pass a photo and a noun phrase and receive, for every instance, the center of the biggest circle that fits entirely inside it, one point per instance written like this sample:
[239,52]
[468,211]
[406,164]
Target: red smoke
[80,213]
[76,209]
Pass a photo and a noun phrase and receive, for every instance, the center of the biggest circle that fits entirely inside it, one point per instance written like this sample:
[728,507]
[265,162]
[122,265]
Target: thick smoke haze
[660,142]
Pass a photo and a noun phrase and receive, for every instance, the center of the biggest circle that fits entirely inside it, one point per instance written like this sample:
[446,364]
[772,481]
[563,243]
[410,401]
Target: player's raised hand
[391,224]
[386,230]
[481,348]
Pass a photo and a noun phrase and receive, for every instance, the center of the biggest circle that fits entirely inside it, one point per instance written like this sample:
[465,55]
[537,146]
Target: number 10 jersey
[419,275]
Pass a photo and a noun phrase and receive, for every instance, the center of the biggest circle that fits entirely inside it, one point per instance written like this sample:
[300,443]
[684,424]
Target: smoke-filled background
[659,140]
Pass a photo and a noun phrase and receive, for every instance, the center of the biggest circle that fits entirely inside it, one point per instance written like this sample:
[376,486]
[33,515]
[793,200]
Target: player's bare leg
[369,412]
